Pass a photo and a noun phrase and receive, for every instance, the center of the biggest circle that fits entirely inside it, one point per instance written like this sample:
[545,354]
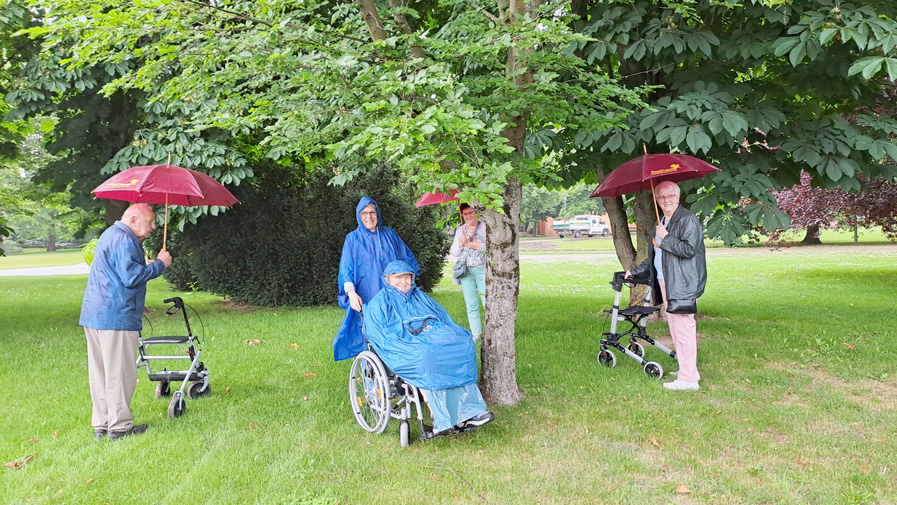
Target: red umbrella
[168,184]
[644,172]
[436,197]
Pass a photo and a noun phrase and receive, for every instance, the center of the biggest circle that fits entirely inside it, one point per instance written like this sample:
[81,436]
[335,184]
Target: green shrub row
[282,244]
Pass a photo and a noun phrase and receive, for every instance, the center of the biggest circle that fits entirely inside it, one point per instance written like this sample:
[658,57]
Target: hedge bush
[282,244]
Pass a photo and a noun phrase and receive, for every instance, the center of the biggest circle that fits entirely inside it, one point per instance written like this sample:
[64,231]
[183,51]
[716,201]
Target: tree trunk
[51,242]
[499,353]
[619,228]
[812,237]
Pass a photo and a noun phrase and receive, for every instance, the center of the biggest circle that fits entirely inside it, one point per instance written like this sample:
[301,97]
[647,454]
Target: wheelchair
[378,395]
[637,318]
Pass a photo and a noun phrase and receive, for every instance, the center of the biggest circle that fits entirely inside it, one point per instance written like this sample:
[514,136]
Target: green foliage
[761,89]
[282,244]
[309,84]
[88,249]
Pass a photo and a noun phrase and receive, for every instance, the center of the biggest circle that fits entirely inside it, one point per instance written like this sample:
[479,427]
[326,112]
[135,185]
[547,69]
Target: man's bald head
[141,219]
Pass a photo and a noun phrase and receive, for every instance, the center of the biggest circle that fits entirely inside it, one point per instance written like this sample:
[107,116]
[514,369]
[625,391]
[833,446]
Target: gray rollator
[194,380]
[637,317]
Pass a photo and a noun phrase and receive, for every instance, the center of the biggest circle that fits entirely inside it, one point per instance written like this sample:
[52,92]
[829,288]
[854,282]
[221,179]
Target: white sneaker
[678,385]
[676,374]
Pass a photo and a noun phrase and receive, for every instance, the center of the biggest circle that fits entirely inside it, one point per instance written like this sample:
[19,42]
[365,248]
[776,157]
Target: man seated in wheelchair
[417,339]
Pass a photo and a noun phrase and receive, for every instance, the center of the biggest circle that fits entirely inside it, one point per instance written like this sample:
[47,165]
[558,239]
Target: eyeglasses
[667,197]
[468,214]
[369,214]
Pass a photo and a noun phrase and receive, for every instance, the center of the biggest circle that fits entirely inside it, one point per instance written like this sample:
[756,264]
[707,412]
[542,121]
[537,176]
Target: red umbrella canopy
[165,184]
[436,198]
[646,171]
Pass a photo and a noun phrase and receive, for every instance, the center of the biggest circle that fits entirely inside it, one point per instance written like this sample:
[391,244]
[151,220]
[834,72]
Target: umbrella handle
[656,213]
[165,229]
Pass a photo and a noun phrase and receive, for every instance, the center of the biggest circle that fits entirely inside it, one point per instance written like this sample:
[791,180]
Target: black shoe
[428,432]
[99,433]
[137,429]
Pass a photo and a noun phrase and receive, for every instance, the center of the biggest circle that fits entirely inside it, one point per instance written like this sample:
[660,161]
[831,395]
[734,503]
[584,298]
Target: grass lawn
[798,402]
[30,258]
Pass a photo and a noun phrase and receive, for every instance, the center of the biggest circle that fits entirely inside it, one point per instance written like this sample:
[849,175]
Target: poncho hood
[364,202]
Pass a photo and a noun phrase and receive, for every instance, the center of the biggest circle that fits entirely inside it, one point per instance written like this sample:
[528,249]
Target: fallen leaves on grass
[19,464]
[55,433]
[304,398]
[655,443]
[227,389]
[294,345]
[683,489]
[309,375]
[34,440]
[254,341]
[251,426]
[800,461]
[89,481]
[851,347]
[434,477]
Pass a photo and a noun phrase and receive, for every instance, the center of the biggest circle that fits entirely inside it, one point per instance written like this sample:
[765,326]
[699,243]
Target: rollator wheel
[177,406]
[369,392]
[404,434]
[196,390]
[162,389]
[637,348]
[653,369]
[607,358]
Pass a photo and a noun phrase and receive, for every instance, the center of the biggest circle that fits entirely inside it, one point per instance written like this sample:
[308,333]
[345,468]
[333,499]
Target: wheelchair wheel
[637,349]
[653,369]
[404,434]
[369,392]
[162,389]
[607,358]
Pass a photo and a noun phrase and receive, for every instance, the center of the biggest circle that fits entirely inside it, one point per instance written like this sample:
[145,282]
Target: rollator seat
[166,340]
[637,310]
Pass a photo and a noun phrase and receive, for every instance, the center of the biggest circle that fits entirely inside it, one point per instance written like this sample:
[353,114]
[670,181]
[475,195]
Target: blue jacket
[365,255]
[440,356]
[116,287]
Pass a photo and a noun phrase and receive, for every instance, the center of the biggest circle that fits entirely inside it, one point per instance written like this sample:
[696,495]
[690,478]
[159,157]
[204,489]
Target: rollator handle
[178,305]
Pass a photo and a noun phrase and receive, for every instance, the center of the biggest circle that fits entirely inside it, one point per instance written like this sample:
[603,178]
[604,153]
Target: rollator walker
[637,318]
[194,380]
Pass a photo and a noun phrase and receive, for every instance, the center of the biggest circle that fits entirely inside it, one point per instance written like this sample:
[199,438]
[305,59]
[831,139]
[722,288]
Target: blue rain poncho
[417,339]
[365,255]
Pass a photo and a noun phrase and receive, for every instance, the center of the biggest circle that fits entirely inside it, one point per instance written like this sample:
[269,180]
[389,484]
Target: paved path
[65,270]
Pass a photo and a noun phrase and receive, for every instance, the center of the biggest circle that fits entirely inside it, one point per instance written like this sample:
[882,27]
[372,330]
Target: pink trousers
[684,332]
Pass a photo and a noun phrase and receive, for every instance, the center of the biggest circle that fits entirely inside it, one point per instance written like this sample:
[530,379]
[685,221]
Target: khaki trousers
[112,371]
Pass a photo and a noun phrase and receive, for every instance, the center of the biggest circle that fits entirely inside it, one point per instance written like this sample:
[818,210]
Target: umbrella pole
[165,230]
[656,213]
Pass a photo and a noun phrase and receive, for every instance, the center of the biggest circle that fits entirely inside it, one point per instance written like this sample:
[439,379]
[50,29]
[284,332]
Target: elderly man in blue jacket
[112,317]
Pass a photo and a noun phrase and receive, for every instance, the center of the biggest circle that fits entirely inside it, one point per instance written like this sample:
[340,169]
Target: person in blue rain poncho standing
[366,252]
[417,339]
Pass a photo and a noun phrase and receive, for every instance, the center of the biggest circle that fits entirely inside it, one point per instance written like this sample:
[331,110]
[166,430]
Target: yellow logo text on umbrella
[673,168]
[122,184]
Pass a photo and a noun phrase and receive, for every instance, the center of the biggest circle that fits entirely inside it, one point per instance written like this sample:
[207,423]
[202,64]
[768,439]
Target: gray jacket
[683,261]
